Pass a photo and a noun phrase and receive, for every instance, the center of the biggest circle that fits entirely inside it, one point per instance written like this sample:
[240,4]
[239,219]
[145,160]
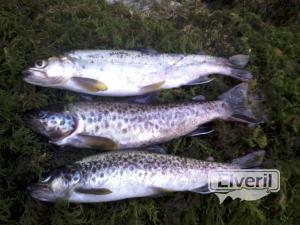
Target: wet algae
[268,31]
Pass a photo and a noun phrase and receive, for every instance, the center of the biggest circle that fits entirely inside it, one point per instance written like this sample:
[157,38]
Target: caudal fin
[249,161]
[236,100]
[236,63]
[239,61]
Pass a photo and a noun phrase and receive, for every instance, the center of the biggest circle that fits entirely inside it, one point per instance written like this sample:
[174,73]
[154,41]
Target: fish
[130,72]
[122,125]
[113,176]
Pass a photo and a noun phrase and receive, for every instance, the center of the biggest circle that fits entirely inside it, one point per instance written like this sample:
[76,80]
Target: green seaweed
[267,30]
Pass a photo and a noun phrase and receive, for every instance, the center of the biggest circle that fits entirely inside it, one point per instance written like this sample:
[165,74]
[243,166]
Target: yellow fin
[153,87]
[99,142]
[94,191]
[90,84]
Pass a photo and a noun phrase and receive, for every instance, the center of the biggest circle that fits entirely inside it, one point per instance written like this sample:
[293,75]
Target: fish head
[51,72]
[54,124]
[59,184]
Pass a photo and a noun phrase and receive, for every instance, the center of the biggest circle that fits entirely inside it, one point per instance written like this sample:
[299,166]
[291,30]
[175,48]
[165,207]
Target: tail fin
[249,161]
[242,75]
[236,98]
[252,160]
[237,62]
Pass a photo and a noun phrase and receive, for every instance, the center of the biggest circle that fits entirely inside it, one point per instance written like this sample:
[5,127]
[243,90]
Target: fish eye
[76,176]
[46,176]
[40,63]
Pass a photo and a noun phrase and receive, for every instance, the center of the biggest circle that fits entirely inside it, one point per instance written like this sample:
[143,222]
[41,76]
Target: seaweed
[269,31]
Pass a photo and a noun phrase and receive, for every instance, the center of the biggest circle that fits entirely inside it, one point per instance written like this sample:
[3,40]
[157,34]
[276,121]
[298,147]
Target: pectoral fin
[90,84]
[94,191]
[99,142]
[153,87]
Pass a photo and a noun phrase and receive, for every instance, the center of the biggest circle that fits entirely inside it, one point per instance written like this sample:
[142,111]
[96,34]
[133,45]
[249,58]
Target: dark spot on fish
[106,124]
[68,177]
[124,131]
[97,128]
[90,120]
[94,170]
[93,179]
[53,122]
[92,113]
[83,116]
[102,175]
[83,66]
[114,117]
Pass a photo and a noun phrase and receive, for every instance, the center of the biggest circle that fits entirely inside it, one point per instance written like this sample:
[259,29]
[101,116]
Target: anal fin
[202,190]
[159,190]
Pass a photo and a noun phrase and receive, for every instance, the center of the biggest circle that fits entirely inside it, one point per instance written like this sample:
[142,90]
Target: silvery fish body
[129,174]
[110,125]
[128,73]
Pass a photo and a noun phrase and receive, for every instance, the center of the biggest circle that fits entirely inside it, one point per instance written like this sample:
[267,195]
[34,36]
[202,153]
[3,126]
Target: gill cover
[51,123]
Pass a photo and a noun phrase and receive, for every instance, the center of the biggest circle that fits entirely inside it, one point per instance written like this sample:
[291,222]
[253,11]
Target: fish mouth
[33,76]
[26,73]
[41,192]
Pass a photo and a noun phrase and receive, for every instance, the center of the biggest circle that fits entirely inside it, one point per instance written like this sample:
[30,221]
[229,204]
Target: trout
[129,73]
[129,174]
[113,125]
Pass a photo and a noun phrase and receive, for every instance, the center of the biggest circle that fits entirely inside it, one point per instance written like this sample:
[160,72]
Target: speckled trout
[128,73]
[111,125]
[129,174]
